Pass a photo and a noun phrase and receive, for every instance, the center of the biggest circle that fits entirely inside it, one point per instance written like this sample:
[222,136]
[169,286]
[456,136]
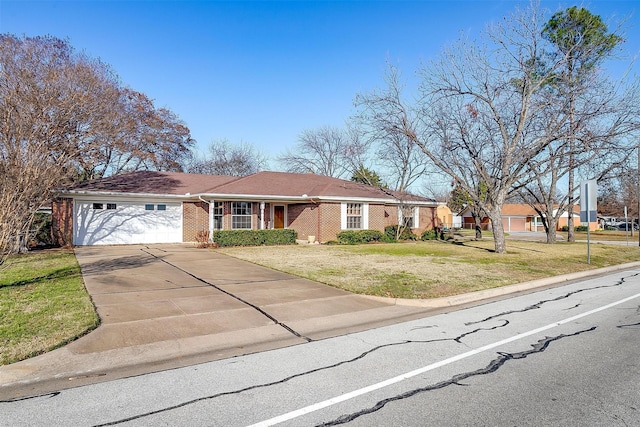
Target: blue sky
[262,72]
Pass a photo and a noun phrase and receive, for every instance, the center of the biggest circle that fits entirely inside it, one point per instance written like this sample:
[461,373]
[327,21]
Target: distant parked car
[626,226]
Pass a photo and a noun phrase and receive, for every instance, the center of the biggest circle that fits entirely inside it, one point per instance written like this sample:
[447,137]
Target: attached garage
[98,222]
[514,223]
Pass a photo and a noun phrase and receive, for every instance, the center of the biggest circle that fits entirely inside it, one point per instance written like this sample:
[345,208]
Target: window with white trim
[354,216]
[241,215]
[218,213]
[409,216]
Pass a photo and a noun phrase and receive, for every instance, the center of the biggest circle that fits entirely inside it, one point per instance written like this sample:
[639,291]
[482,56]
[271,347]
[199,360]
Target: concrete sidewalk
[167,306]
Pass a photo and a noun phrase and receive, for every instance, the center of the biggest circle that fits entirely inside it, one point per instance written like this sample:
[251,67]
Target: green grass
[43,304]
[433,269]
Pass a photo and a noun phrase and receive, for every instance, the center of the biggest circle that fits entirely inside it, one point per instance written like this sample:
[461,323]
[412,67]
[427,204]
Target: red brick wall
[427,221]
[62,221]
[226,216]
[390,215]
[195,219]
[303,219]
[377,219]
[321,220]
[329,215]
[267,215]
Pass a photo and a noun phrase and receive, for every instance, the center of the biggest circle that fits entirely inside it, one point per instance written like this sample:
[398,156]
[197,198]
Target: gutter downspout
[318,221]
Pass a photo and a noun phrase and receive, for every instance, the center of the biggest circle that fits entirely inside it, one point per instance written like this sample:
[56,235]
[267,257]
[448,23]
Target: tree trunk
[495,215]
[552,223]
[478,226]
[571,235]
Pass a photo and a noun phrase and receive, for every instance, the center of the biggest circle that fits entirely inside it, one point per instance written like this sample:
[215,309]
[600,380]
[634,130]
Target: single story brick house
[522,217]
[170,207]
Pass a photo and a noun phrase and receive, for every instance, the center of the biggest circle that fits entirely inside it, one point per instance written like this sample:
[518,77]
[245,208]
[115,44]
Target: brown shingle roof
[150,182]
[518,209]
[296,185]
[274,184]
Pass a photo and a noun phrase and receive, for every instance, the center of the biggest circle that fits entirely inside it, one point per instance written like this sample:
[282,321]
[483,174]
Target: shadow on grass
[58,274]
[465,244]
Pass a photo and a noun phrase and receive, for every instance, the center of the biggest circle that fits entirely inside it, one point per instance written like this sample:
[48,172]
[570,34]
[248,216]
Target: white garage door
[115,223]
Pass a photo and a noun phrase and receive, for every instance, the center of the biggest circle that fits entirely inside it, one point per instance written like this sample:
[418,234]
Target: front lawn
[432,269]
[43,304]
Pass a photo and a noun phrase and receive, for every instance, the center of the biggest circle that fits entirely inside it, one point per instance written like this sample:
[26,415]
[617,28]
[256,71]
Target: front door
[278,217]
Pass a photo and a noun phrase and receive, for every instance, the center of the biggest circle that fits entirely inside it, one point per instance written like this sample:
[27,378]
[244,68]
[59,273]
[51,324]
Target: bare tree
[629,194]
[479,112]
[603,118]
[40,96]
[326,151]
[225,158]
[399,159]
[404,162]
[460,200]
[64,116]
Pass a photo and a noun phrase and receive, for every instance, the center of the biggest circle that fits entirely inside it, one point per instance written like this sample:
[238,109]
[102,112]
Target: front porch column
[211,225]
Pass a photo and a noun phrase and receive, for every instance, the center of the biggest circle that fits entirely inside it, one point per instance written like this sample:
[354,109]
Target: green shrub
[429,235]
[390,233]
[42,230]
[577,228]
[354,237]
[254,237]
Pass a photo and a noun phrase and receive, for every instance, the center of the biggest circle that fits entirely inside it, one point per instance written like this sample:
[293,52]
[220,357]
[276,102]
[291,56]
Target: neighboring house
[169,207]
[445,216]
[522,217]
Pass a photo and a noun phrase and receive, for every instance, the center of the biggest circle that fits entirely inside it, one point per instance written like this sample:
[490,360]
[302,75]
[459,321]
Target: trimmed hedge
[255,237]
[354,237]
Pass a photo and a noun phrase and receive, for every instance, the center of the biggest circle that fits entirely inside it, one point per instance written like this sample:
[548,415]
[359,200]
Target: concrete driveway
[166,306]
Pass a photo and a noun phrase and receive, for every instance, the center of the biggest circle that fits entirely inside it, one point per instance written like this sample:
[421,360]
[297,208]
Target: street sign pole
[588,209]
[586,201]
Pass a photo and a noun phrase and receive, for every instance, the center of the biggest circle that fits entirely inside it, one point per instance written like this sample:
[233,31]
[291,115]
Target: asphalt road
[564,356]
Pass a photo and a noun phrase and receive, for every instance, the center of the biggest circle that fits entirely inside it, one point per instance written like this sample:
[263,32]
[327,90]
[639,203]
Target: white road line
[344,397]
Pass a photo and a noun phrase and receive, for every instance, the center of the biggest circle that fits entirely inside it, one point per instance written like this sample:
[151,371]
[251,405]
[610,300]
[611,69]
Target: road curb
[503,290]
